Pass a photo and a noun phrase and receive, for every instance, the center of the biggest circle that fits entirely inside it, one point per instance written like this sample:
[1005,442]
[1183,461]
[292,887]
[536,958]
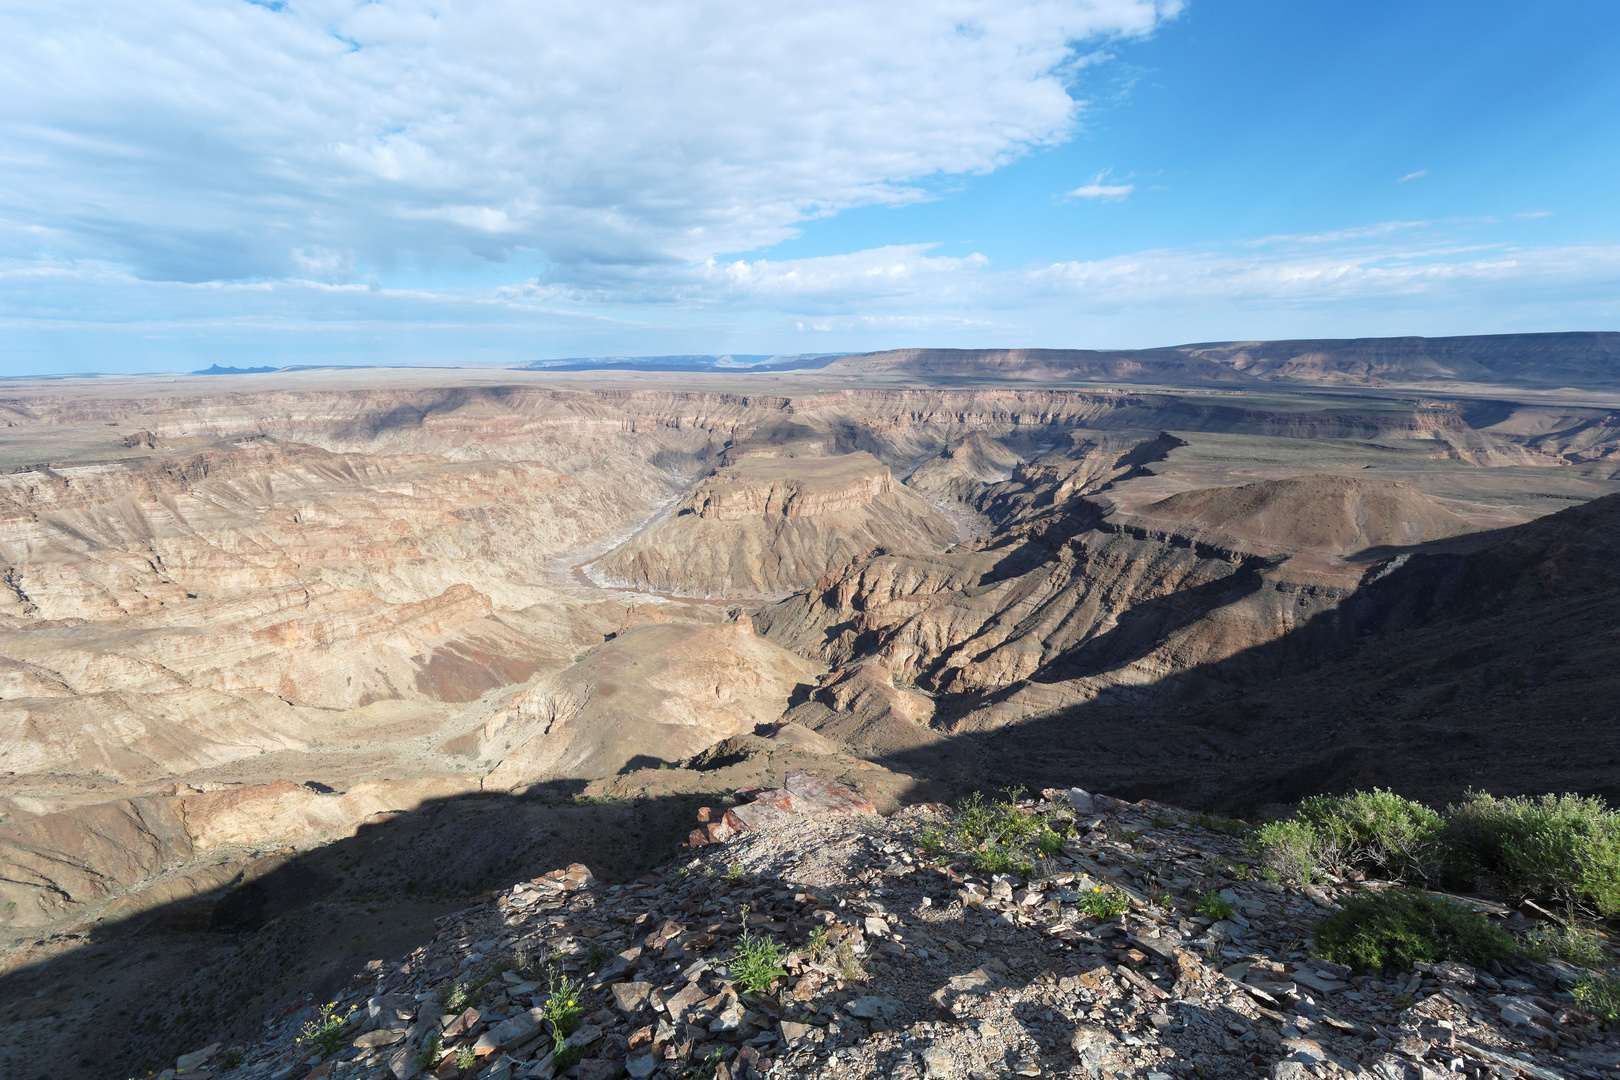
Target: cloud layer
[200,140]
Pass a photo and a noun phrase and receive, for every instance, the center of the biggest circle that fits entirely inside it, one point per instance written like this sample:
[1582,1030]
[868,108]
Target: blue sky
[190,182]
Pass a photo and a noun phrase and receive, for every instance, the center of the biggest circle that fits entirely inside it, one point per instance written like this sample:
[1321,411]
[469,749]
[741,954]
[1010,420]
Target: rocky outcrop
[896,961]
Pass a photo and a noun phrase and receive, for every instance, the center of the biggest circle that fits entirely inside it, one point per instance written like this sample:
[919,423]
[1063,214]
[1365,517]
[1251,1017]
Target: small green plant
[1103,903]
[1565,942]
[1396,929]
[431,1049]
[709,1067]
[325,1031]
[1048,843]
[466,1058]
[932,842]
[232,1058]
[1286,851]
[596,954]
[460,996]
[817,943]
[501,967]
[567,1057]
[734,872]
[1164,900]
[756,962]
[562,1008]
[1212,905]
[851,969]
[1600,994]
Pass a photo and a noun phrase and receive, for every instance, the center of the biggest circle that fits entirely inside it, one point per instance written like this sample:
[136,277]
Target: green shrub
[1377,832]
[1103,903]
[1562,847]
[999,860]
[1395,929]
[1212,905]
[1048,842]
[756,962]
[1600,994]
[997,823]
[1226,826]
[466,1057]
[1565,942]
[1288,851]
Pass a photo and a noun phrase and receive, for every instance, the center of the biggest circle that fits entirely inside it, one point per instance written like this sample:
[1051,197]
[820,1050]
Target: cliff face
[773,525]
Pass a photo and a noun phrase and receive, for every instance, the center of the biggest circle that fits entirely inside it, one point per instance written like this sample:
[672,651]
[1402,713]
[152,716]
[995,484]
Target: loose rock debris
[901,967]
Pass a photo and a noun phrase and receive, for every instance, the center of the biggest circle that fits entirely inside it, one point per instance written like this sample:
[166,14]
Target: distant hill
[217,370]
[1581,360]
[695,362]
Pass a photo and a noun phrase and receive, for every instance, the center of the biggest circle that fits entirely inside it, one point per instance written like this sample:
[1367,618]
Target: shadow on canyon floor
[126,997]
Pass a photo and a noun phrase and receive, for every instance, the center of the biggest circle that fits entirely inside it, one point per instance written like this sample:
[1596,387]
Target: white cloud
[1102,192]
[1413,176]
[221,139]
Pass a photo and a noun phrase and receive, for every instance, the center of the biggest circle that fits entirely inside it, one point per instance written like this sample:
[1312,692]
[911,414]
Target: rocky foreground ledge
[896,966]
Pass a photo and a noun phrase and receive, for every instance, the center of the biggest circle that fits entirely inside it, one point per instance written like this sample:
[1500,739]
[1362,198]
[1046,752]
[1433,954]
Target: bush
[1562,847]
[1287,851]
[1565,942]
[1396,929]
[997,824]
[995,837]
[1377,832]
[1600,994]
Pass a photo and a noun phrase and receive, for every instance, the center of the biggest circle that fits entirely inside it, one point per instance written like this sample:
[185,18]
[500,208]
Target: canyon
[273,639]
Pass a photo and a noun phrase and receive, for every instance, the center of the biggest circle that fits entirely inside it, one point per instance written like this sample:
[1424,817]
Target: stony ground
[899,966]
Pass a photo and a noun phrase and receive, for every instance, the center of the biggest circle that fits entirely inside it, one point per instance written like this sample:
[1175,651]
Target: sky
[252,182]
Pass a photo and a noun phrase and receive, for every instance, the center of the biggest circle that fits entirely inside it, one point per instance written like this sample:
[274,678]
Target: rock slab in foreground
[801,795]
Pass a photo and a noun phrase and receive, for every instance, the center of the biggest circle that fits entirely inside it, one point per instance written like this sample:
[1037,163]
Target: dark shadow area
[119,998]
[1487,662]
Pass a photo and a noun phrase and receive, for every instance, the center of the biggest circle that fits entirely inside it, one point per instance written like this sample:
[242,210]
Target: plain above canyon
[248,616]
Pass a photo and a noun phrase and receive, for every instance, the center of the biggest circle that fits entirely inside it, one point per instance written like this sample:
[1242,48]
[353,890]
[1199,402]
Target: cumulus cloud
[884,297]
[221,139]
